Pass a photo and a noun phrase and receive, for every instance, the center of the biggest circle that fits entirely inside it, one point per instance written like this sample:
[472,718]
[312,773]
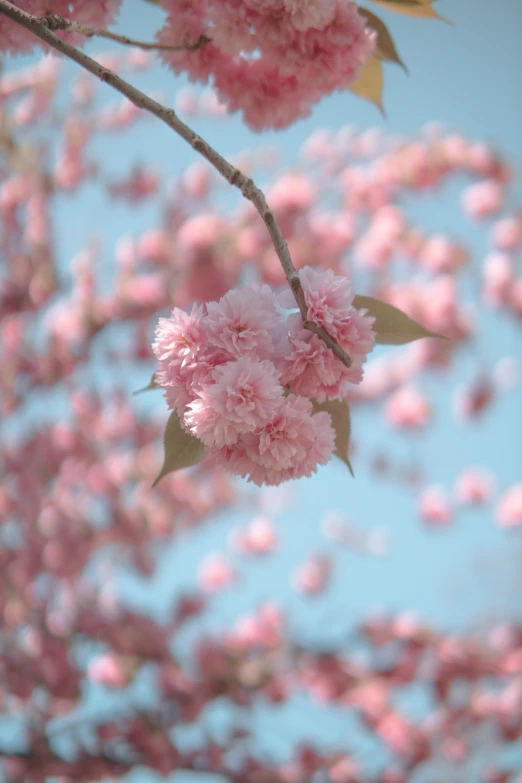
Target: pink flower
[402,737]
[408,408]
[329,298]
[434,507]
[440,254]
[259,538]
[309,368]
[284,440]
[178,342]
[245,322]
[313,13]
[507,234]
[291,445]
[509,509]
[472,400]
[96,13]
[179,337]
[499,276]
[245,395]
[483,199]
[108,670]
[303,51]
[313,576]
[216,573]
[474,486]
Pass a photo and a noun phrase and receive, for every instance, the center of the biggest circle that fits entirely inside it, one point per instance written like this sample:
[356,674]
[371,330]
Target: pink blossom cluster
[242,377]
[96,13]
[272,59]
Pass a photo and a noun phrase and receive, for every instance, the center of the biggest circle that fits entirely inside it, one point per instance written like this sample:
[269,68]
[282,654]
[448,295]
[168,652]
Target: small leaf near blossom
[341,422]
[392,326]
[181,449]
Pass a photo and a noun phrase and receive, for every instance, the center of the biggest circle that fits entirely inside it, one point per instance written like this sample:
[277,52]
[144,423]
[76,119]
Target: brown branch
[55,22]
[40,28]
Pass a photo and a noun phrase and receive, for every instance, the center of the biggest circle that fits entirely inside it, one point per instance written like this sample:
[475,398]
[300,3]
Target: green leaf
[181,449]
[385,47]
[419,8]
[392,326]
[152,385]
[370,83]
[341,422]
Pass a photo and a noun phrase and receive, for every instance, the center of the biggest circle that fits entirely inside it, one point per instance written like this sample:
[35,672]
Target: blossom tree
[261,347]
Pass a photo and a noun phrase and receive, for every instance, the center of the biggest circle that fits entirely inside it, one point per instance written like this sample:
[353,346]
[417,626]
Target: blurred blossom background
[429,529]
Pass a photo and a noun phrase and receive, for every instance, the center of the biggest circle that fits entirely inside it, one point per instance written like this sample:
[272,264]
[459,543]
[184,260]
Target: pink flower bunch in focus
[272,59]
[242,377]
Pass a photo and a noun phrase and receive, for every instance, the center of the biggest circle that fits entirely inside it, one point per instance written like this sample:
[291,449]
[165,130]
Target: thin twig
[40,28]
[56,22]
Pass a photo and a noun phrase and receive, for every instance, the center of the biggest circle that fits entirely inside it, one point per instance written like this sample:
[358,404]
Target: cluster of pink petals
[259,538]
[96,13]
[229,368]
[272,59]
[509,509]
[216,573]
[313,576]
[434,507]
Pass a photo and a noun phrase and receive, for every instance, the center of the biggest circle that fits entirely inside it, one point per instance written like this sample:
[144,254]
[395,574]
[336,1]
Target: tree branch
[55,22]
[40,28]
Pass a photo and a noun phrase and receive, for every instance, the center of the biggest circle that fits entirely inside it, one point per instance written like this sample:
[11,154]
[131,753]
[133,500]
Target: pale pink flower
[313,576]
[402,737]
[284,440]
[210,104]
[509,509]
[483,199]
[216,573]
[474,486]
[440,254]
[293,193]
[434,508]
[245,395]
[179,337]
[155,246]
[407,408]
[292,445]
[108,670]
[199,233]
[309,367]
[187,101]
[263,629]
[232,28]
[245,322]
[310,13]
[197,180]
[328,296]
[178,342]
[258,538]
[205,422]
[499,276]
[95,13]
[507,234]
